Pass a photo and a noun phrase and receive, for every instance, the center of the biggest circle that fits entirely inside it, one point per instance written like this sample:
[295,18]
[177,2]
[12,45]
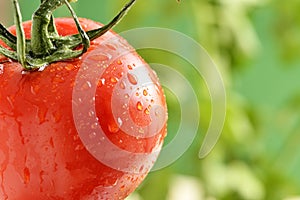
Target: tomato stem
[45,45]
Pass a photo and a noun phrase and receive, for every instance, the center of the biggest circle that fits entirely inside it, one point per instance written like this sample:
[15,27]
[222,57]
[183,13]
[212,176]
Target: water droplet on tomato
[114,79]
[92,135]
[86,85]
[119,62]
[34,89]
[139,106]
[145,92]
[112,47]
[94,125]
[58,79]
[69,67]
[101,82]
[157,112]
[126,96]
[147,110]
[129,67]
[113,128]
[120,122]
[100,57]
[122,85]
[91,113]
[132,78]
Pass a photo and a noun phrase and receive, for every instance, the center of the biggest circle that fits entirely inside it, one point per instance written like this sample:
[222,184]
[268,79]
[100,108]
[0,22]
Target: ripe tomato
[86,128]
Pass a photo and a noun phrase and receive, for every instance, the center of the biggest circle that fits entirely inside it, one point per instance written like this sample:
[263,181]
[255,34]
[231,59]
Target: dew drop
[86,85]
[114,79]
[92,135]
[91,113]
[132,78]
[69,67]
[147,111]
[101,82]
[120,122]
[129,67]
[100,57]
[111,47]
[139,106]
[122,85]
[126,96]
[119,62]
[94,125]
[113,128]
[145,92]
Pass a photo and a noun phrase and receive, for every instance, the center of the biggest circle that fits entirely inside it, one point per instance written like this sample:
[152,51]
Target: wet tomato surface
[86,128]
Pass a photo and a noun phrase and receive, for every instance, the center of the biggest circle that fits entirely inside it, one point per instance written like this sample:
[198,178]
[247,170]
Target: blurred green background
[256,45]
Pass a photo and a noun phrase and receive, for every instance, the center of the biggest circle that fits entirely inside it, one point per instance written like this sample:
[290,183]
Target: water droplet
[114,79]
[91,113]
[157,112]
[101,82]
[100,57]
[69,67]
[141,130]
[92,135]
[111,47]
[139,106]
[122,85]
[129,67]
[132,78]
[113,128]
[35,89]
[147,111]
[120,122]
[152,101]
[126,96]
[25,72]
[58,79]
[145,92]
[119,62]
[86,85]
[94,125]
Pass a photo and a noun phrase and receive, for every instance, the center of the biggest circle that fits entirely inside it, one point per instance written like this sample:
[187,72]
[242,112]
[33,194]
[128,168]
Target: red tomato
[87,128]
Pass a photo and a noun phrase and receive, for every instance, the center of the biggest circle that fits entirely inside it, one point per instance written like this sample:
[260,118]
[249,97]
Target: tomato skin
[42,155]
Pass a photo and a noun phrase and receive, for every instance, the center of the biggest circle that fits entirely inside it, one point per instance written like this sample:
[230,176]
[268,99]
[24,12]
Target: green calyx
[45,45]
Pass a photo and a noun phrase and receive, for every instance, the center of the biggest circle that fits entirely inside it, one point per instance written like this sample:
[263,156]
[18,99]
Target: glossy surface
[43,123]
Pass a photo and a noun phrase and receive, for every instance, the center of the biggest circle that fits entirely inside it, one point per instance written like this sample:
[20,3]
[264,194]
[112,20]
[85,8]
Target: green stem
[7,37]
[41,44]
[20,35]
